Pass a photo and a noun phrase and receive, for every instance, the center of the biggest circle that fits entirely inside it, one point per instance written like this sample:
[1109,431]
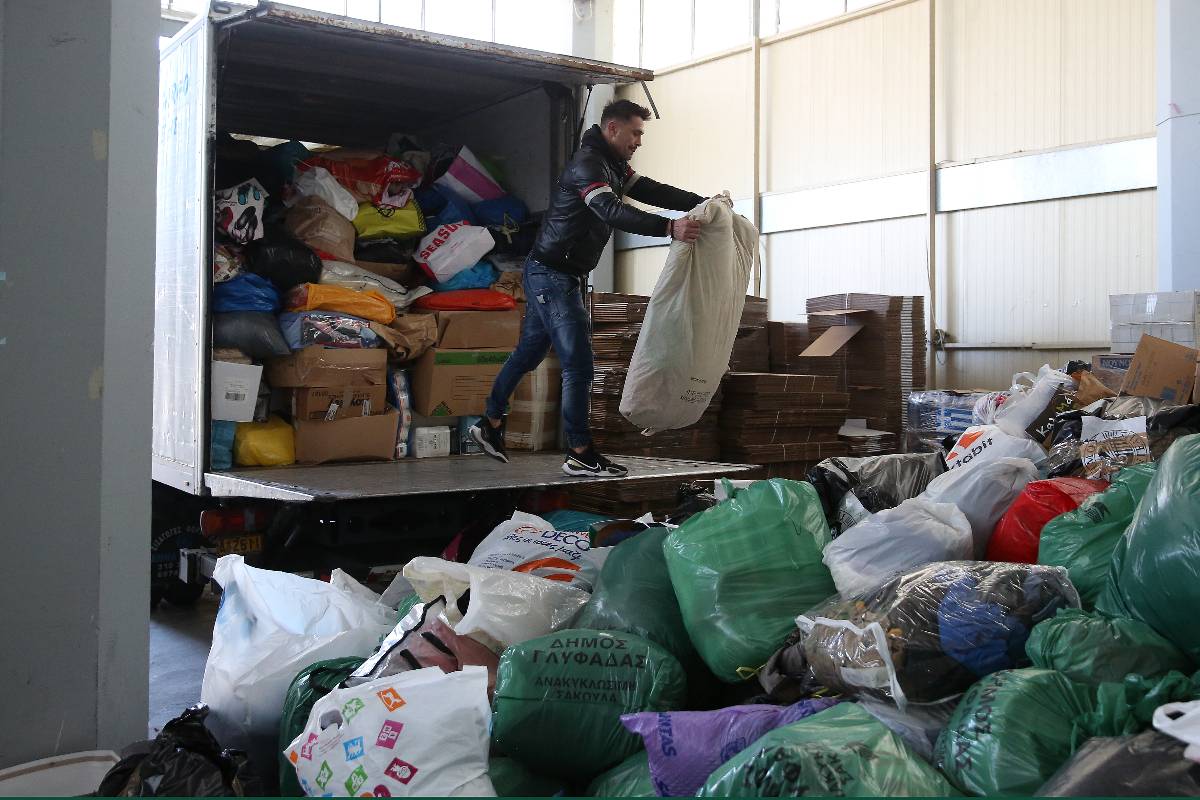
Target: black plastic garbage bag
[255,333]
[184,760]
[1147,765]
[877,482]
[283,261]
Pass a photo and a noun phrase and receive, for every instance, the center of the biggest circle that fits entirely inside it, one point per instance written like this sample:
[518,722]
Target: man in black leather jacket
[586,206]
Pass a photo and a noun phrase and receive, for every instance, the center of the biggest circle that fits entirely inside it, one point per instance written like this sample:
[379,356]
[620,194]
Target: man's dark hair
[623,110]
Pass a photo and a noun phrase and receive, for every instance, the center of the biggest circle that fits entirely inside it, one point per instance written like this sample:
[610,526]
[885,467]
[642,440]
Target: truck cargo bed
[330,482]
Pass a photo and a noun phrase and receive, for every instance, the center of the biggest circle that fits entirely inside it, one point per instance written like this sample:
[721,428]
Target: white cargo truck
[287,73]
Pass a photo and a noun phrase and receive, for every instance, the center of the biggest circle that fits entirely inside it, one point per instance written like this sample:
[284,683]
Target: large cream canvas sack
[691,321]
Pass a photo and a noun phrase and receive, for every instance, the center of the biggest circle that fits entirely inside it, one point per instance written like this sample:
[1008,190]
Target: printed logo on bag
[382,791]
[391,699]
[352,707]
[306,749]
[353,748]
[324,774]
[400,771]
[437,239]
[292,757]
[389,733]
[356,779]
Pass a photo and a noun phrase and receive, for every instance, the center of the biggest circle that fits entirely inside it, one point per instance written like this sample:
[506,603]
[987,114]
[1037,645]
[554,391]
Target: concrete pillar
[78,134]
[1177,116]
[592,37]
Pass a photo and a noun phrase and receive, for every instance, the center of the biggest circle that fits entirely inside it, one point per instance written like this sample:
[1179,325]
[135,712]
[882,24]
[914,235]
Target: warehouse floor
[179,643]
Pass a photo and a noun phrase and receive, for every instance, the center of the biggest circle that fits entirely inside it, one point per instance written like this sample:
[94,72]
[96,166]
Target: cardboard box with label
[338,402]
[536,409]
[454,378]
[370,438]
[234,391]
[1161,369]
[327,366]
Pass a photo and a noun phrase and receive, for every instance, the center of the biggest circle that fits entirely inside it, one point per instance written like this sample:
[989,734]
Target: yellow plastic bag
[368,304]
[264,444]
[380,222]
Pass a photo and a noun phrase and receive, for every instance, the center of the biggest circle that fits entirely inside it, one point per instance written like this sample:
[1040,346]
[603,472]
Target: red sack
[466,300]
[365,174]
[1018,532]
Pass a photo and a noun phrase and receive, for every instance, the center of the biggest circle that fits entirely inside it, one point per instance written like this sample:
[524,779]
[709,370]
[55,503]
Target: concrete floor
[179,642]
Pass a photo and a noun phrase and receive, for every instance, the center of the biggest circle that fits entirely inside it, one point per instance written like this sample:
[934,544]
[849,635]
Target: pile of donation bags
[331,272]
[752,650]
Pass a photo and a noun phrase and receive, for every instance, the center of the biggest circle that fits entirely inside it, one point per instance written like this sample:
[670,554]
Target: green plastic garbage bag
[510,778]
[634,595]
[1155,574]
[314,682]
[559,699]
[1011,732]
[744,569]
[630,778]
[843,751]
[1094,648]
[564,519]
[1083,540]
[1128,707]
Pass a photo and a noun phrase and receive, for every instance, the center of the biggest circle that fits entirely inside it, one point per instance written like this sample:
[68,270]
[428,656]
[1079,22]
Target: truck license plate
[240,545]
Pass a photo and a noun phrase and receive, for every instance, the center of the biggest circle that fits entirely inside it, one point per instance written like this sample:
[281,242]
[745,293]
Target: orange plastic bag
[368,304]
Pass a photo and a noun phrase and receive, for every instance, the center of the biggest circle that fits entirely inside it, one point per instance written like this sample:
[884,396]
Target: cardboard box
[535,409]
[313,404]
[327,366]
[1173,316]
[370,438]
[234,391]
[1162,369]
[455,383]
[473,330]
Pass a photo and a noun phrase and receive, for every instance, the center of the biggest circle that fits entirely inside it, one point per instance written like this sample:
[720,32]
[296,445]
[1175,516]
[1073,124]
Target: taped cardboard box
[370,438]
[455,383]
[1173,316]
[329,403]
[327,366]
[472,330]
[535,409]
[1162,369]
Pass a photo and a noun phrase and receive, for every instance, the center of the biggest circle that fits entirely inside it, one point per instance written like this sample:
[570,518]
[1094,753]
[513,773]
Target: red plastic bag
[466,300]
[1019,531]
[367,175]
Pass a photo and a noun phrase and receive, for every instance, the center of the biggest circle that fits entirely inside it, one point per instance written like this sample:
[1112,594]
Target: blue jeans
[554,315]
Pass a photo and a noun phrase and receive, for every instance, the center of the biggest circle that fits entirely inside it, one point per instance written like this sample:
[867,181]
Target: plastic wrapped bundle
[570,688]
[326,328]
[743,570]
[928,635]
[842,752]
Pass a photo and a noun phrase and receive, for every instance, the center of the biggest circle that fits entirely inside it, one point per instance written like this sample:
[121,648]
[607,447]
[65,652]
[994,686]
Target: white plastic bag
[351,276]
[451,248]
[423,733]
[529,544]
[983,494]
[691,321]
[984,412]
[914,533]
[980,444]
[317,181]
[270,626]
[1181,721]
[1025,405]
[505,608]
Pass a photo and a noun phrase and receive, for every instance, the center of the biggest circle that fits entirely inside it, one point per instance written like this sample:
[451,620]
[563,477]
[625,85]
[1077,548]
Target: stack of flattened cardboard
[338,403]
[751,348]
[883,339]
[775,420]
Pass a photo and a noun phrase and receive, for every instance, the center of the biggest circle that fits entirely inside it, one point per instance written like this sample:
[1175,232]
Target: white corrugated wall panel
[1018,75]
[637,270]
[886,256]
[702,142]
[846,102]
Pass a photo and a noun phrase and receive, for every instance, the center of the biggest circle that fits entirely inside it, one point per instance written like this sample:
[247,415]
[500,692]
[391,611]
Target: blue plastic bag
[246,292]
[493,212]
[480,276]
[441,206]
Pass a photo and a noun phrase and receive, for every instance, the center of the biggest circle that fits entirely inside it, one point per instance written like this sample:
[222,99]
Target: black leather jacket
[587,206]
